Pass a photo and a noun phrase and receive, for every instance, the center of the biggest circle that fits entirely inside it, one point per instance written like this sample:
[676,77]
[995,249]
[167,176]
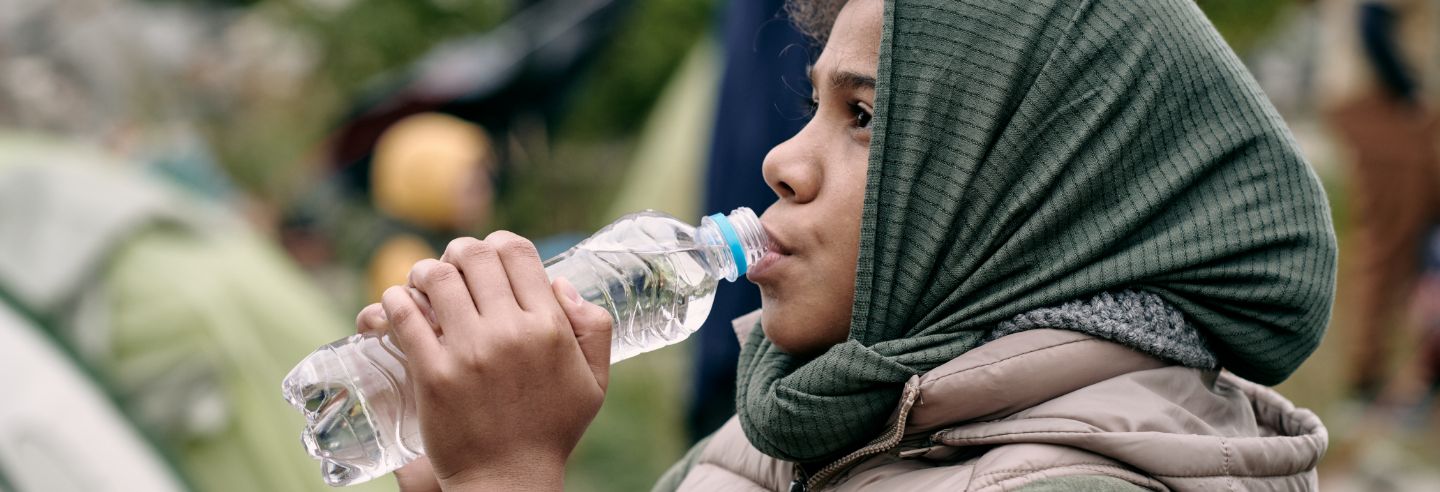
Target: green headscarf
[1032,152]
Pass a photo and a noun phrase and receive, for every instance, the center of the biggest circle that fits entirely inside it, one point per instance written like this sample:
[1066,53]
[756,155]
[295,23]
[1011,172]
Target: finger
[408,326]
[371,320]
[528,279]
[480,266]
[423,303]
[418,476]
[592,325]
[449,300]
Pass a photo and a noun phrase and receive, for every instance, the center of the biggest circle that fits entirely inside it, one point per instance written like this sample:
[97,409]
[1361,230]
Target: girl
[1013,248]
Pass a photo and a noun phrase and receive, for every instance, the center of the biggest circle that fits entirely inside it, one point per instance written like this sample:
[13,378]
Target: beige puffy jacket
[1047,404]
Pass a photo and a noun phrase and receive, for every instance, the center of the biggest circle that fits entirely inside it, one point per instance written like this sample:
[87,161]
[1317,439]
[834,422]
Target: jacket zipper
[798,484]
[884,443]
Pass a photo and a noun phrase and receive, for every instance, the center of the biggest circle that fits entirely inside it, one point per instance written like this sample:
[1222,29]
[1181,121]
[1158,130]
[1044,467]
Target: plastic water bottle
[655,274]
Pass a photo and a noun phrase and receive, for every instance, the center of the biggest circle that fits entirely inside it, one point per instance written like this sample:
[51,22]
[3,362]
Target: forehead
[854,43]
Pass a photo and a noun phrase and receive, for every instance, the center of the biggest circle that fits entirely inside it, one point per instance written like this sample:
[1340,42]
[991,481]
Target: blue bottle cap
[733,239]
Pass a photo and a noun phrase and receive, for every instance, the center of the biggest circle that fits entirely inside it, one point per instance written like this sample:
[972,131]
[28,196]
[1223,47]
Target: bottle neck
[738,241]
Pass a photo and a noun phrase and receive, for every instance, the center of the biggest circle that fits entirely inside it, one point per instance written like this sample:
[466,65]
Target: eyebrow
[844,79]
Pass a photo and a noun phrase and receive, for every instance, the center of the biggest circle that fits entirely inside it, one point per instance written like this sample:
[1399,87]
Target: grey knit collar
[1136,319]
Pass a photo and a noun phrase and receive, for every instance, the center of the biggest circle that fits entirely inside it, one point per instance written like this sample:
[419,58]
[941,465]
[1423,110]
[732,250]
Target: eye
[811,106]
[862,115]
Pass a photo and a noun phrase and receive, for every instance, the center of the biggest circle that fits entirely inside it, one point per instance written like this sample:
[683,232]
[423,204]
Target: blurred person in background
[426,154]
[1380,87]
[432,175]
[120,238]
[1379,83]
[1428,313]
[177,307]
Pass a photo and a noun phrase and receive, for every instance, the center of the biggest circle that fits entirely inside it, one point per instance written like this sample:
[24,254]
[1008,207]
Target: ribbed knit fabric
[1028,153]
[1135,319]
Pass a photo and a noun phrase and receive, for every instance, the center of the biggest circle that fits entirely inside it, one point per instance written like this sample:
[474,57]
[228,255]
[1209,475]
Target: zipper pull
[798,484]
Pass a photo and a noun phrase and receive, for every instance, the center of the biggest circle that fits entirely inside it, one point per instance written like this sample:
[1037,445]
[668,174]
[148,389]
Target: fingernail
[410,277]
[423,302]
[569,290]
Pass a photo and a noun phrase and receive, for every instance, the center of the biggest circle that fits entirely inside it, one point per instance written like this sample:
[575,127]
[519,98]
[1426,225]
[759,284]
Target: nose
[792,169]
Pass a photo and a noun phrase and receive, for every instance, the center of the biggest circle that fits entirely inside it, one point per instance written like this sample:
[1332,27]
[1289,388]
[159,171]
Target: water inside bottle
[657,297]
[356,426]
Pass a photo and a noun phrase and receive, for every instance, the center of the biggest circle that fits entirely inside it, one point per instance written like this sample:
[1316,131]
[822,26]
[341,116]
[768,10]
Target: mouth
[775,252]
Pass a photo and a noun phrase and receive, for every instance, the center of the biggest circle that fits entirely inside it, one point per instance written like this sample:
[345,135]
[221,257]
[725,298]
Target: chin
[790,336]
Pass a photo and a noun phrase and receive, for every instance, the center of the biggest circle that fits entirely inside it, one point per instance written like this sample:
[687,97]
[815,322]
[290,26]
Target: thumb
[591,324]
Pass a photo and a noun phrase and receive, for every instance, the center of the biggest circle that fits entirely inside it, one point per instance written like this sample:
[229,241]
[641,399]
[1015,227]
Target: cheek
[848,188]
[812,313]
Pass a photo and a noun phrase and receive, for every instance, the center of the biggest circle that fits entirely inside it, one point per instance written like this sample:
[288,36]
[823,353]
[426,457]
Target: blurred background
[196,193]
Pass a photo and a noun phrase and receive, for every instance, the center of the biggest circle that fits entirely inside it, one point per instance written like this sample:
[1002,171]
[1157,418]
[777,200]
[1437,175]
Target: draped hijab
[1031,152]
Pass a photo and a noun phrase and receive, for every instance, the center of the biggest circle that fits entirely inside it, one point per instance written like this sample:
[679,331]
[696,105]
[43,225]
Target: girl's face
[807,281]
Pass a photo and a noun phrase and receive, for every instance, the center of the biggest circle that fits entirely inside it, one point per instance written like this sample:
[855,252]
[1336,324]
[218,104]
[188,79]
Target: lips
[773,242]
[775,251]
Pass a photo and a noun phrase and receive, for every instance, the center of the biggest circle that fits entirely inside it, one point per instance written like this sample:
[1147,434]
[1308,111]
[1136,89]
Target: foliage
[1243,23]
[616,97]
[367,38]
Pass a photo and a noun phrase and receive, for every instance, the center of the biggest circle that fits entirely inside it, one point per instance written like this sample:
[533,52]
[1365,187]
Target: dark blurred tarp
[762,95]
[510,83]
[525,66]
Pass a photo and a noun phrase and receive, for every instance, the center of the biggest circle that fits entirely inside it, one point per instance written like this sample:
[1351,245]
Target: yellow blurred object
[426,165]
[391,263]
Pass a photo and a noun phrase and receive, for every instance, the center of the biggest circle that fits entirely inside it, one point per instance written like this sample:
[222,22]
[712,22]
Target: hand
[515,372]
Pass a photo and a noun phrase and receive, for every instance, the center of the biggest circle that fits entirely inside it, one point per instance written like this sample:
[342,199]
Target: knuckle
[391,297]
[453,247]
[548,336]
[474,362]
[363,315]
[510,243]
[400,316]
[540,319]
[599,317]
[368,316]
[467,248]
[555,319]
[478,250]
[439,272]
[397,306]
[553,328]
[501,236]
[520,336]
